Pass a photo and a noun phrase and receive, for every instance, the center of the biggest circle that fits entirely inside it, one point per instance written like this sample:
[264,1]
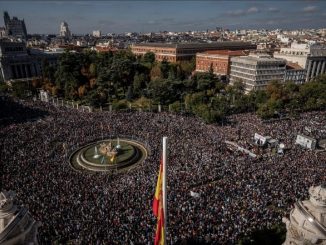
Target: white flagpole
[164,186]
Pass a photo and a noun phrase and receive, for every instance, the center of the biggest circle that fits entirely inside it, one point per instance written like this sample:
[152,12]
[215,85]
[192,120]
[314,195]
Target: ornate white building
[17,226]
[307,224]
[297,53]
[309,57]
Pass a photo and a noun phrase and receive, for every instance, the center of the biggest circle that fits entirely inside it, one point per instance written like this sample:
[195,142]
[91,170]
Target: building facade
[218,61]
[309,57]
[256,70]
[15,27]
[186,51]
[316,62]
[297,53]
[295,73]
[16,62]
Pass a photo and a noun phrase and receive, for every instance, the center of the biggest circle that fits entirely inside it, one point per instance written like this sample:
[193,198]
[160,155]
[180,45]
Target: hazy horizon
[153,16]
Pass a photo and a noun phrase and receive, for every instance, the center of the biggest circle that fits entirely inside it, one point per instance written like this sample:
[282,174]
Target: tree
[165,91]
[93,70]
[269,109]
[156,72]
[275,90]
[165,68]
[187,67]
[143,103]
[149,57]
[68,76]
[139,84]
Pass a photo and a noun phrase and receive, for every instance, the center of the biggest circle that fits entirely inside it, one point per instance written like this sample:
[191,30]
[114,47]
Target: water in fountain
[96,155]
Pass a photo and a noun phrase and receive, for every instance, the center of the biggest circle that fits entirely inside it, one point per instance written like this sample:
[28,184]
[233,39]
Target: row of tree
[122,78]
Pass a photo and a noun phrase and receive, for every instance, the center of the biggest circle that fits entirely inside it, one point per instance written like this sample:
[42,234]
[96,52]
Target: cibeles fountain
[17,226]
[108,155]
[307,223]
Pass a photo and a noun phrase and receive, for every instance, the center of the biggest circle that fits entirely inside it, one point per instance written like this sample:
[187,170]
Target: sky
[44,17]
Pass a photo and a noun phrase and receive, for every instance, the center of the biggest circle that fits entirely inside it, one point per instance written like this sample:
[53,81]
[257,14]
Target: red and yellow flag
[158,192]
[158,209]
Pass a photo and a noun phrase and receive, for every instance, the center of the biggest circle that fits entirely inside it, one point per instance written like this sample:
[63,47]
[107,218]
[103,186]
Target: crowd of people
[235,193]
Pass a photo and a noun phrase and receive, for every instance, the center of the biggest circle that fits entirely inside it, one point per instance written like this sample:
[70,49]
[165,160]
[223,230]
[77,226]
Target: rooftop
[254,59]
[226,52]
[293,66]
[196,45]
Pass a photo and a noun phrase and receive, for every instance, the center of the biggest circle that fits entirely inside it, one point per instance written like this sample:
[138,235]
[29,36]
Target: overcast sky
[145,16]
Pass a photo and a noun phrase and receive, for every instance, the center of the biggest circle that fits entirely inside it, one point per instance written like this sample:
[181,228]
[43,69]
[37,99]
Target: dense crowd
[237,193]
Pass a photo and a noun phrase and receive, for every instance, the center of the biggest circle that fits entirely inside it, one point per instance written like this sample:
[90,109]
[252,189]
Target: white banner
[194,194]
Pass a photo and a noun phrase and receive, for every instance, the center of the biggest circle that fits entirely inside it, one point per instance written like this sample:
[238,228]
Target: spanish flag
[158,192]
[158,209]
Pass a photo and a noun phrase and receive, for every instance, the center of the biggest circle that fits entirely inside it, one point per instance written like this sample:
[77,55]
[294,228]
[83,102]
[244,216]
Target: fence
[87,108]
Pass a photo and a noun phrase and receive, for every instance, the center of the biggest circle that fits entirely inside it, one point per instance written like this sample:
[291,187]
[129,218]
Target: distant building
[295,73]
[316,62]
[186,51]
[64,30]
[102,49]
[297,53]
[97,33]
[14,27]
[2,32]
[310,57]
[16,63]
[218,60]
[81,43]
[256,70]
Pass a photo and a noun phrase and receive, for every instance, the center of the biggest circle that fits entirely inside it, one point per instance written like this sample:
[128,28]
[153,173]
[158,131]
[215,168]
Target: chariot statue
[106,149]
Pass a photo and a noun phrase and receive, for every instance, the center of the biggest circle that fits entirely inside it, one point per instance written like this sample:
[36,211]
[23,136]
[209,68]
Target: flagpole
[164,187]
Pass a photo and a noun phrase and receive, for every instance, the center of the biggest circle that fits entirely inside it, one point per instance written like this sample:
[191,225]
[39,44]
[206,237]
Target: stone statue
[108,150]
[307,223]
[17,226]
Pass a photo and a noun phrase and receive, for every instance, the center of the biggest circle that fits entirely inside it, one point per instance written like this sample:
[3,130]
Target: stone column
[21,70]
[13,72]
[308,71]
[16,71]
[29,70]
[35,70]
[323,67]
[26,70]
[313,69]
[20,74]
[318,68]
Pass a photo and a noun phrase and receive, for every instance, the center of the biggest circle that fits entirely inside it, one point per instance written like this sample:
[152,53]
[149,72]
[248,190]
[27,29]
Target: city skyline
[152,16]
